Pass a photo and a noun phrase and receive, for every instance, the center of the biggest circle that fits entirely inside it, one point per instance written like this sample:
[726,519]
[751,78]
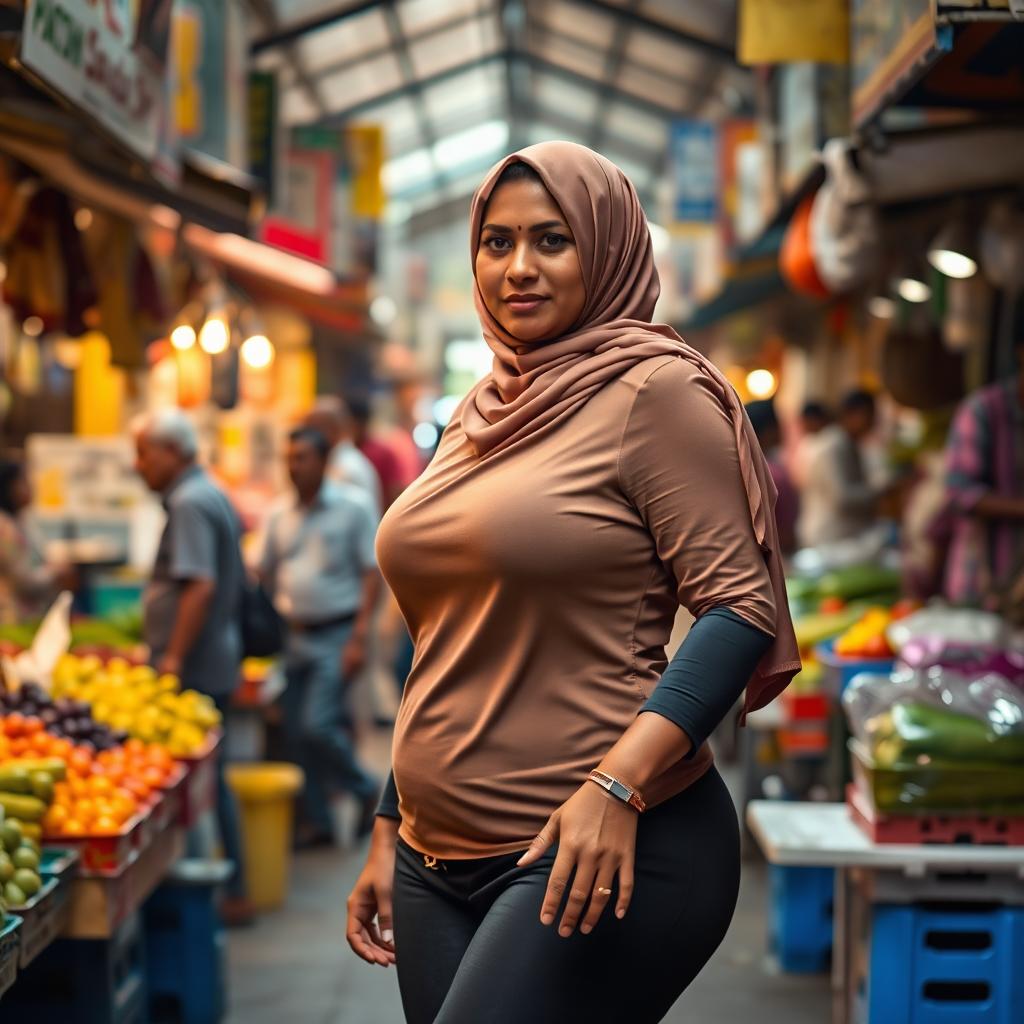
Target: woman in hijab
[555,843]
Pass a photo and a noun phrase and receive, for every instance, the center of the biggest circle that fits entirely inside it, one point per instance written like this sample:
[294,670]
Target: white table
[823,835]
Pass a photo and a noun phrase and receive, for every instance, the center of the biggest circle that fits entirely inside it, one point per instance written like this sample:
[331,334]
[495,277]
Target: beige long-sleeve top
[540,583]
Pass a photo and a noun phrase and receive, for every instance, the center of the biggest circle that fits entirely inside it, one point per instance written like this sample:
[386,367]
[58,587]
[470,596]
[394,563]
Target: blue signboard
[695,171]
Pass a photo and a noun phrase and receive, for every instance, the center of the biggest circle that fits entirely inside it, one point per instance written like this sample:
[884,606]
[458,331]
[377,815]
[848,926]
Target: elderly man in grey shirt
[318,564]
[192,604]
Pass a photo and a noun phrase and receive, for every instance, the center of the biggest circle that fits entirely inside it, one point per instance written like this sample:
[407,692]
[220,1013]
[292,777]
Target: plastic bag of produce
[970,659]
[51,641]
[963,626]
[916,715]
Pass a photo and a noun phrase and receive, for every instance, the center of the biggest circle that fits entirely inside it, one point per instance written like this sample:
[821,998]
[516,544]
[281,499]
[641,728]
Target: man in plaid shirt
[985,485]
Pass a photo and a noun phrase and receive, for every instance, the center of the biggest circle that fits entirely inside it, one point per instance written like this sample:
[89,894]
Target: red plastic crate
[931,828]
[805,707]
[108,855]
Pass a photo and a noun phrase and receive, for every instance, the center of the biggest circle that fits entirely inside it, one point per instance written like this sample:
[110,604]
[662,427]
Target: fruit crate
[108,856]
[933,828]
[938,787]
[840,670]
[59,862]
[42,918]
[10,941]
[199,790]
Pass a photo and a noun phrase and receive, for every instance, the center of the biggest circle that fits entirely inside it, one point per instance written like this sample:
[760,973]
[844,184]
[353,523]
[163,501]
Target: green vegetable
[907,731]
[859,581]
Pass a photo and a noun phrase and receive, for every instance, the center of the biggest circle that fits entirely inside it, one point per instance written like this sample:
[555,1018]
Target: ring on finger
[603,891]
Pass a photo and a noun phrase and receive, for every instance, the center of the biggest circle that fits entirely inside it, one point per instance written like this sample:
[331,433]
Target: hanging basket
[919,371]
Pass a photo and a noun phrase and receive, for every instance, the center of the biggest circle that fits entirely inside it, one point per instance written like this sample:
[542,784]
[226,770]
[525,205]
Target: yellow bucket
[265,794]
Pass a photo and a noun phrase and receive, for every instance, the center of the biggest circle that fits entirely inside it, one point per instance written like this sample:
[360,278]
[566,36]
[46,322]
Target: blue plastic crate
[85,981]
[800,925]
[186,948]
[950,966]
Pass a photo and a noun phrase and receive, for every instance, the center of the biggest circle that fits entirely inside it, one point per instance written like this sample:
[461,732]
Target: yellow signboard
[785,31]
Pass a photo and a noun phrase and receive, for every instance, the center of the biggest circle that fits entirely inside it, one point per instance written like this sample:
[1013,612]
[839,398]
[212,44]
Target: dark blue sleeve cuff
[388,806]
[708,673]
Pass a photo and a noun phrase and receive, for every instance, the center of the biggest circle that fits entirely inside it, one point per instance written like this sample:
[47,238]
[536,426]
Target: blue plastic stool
[185,945]
[949,966]
[84,981]
[800,925]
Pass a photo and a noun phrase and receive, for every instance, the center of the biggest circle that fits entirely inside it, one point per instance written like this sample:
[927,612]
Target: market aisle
[295,966]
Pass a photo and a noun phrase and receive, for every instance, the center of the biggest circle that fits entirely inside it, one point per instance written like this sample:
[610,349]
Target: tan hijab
[534,385]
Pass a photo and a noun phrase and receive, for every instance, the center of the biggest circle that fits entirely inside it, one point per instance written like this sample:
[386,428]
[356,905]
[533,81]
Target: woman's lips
[524,305]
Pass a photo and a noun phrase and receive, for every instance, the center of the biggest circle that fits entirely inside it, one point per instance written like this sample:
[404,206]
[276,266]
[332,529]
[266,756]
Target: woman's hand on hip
[371,940]
[596,836]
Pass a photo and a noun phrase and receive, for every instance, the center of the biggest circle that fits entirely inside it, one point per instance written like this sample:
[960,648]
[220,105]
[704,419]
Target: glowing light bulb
[183,337]
[257,352]
[213,336]
[761,383]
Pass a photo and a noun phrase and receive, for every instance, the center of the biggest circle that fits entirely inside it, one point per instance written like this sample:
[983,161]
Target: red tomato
[831,605]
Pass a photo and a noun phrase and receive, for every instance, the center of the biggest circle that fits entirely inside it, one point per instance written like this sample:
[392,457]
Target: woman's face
[527,266]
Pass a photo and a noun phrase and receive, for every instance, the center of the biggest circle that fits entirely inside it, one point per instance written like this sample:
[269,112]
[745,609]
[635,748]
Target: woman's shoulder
[667,380]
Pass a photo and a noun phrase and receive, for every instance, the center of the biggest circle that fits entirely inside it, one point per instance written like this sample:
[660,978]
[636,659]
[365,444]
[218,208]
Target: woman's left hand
[596,835]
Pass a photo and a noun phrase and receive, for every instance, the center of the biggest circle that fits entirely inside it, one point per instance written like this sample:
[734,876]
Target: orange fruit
[55,818]
[73,827]
[101,785]
[33,725]
[80,761]
[85,809]
[20,746]
[135,746]
[105,825]
[14,724]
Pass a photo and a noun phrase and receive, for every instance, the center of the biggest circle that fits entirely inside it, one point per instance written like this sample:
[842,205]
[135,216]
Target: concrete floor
[294,965]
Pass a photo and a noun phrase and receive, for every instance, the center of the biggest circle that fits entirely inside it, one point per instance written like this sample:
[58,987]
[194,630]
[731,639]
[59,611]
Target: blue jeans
[315,719]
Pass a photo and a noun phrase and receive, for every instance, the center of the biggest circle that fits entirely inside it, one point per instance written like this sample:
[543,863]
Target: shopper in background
[319,567]
[983,522]
[28,583]
[838,502]
[383,458]
[331,417]
[814,418]
[769,436]
[192,603]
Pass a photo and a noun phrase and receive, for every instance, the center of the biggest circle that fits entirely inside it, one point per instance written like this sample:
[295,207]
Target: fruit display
[103,792]
[134,701]
[19,865]
[63,717]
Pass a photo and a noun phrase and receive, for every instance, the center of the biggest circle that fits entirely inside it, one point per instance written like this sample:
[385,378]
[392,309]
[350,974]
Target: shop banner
[781,31]
[889,39]
[738,135]
[108,59]
[694,148]
[263,107]
[210,79]
[330,197]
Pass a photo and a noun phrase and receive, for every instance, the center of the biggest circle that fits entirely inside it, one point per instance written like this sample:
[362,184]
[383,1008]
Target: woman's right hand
[371,897]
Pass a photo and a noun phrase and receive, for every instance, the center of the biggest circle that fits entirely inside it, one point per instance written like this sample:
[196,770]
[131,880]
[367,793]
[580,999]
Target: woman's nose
[521,266]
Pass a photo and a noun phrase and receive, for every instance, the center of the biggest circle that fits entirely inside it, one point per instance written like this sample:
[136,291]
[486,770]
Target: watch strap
[617,788]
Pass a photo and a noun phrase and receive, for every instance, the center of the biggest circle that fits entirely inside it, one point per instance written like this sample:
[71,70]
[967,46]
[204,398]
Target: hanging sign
[781,31]
[889,38]
[695,171]
[107,58]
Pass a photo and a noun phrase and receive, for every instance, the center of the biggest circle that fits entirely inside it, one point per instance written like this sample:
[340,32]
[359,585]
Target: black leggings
[471,949]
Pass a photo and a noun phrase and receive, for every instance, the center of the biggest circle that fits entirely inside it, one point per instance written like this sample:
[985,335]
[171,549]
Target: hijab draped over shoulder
[531,386]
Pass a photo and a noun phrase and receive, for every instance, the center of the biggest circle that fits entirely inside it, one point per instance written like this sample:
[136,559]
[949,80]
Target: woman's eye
[553,241]
[497,243]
